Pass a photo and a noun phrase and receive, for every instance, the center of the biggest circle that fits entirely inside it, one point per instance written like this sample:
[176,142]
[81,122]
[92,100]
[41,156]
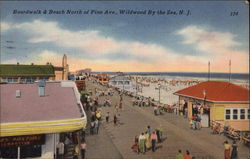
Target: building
[25,73]
[122,82]
[61,72]
[19,73]
[223,102]
[34,117]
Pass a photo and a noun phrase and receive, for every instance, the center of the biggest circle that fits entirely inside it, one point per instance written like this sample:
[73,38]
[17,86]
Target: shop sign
[14,141]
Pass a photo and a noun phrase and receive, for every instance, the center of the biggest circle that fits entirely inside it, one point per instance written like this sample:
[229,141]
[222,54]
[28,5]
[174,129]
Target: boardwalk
[116,141]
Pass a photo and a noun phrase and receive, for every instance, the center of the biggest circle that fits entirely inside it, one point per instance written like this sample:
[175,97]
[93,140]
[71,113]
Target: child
[191,124]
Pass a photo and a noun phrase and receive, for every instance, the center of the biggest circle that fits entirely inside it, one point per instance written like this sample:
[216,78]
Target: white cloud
[5,26]
[89,41]
[207,41]
[92,42]
[219,46]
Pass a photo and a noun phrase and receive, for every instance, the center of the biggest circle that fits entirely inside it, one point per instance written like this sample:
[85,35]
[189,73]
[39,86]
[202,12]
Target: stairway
[69,151]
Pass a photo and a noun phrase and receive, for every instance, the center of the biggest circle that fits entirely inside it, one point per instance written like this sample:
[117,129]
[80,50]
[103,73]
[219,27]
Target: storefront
[33,128]
[222,102]
[22,146]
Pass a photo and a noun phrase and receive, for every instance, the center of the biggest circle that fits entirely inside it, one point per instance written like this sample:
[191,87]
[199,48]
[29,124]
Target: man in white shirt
[60,147]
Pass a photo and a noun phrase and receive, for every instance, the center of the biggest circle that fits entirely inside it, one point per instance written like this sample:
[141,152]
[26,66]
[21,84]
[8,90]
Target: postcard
[124,79]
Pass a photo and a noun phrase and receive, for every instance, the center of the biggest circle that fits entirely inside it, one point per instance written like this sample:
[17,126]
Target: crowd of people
[147,140]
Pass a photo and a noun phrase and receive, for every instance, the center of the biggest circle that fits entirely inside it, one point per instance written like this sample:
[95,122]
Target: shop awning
[43,127]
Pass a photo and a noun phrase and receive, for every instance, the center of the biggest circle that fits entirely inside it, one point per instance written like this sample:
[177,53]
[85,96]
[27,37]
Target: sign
[80,85]
[14,141]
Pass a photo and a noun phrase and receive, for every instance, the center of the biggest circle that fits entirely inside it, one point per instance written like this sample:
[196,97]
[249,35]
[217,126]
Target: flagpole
[208,70]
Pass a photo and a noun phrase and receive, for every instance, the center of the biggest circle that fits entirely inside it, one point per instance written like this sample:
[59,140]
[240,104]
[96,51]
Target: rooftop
[17,70]
[216,91]
[59,103]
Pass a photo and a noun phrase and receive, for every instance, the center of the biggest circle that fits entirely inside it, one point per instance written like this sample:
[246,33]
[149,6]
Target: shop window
[242,113]
[8,152]
[4,80]
[248,113]
[27,79]
[235,114]
[44,78]
[228,114]
[10,80]
[30,151]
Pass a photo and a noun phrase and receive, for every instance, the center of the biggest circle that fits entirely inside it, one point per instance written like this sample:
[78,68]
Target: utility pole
[136,86]
[229,70]
[159,92]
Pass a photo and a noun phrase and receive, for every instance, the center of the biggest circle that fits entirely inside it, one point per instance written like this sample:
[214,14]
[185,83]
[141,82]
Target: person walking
[83,148]
[93,116]
[159,133]
[148,130]
[135,147]
[97,126]
[179,155]
[234,154]
[107,117]
[92,126]
[142,140]
[153,140]
[160,128]
[60,149]
[115,119]
[98,115]
[148,141]
[227,148]
[155,110]
[185,112]
[198,122]
[194,121]
[187,155]
[77,152]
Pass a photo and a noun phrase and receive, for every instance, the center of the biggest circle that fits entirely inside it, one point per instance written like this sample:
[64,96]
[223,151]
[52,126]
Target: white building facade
[122,82]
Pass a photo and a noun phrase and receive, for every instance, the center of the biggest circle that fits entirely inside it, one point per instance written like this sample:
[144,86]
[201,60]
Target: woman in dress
[227,148]
[234,154]
[148,140]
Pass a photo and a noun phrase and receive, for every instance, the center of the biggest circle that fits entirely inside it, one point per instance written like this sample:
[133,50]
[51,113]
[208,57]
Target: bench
[246,141]
[233,136]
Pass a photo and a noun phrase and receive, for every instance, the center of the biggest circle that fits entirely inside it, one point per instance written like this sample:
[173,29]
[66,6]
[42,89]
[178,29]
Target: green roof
[17,70]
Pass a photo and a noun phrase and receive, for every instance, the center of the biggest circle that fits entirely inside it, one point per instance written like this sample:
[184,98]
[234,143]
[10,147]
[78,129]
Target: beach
[148,86]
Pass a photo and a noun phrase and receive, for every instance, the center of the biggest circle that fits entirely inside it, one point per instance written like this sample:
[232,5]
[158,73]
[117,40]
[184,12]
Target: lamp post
[207,108]
[159,87]
[136,86]
[204,96]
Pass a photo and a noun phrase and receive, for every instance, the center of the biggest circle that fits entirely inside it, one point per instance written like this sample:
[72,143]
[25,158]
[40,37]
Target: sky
[181,36]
